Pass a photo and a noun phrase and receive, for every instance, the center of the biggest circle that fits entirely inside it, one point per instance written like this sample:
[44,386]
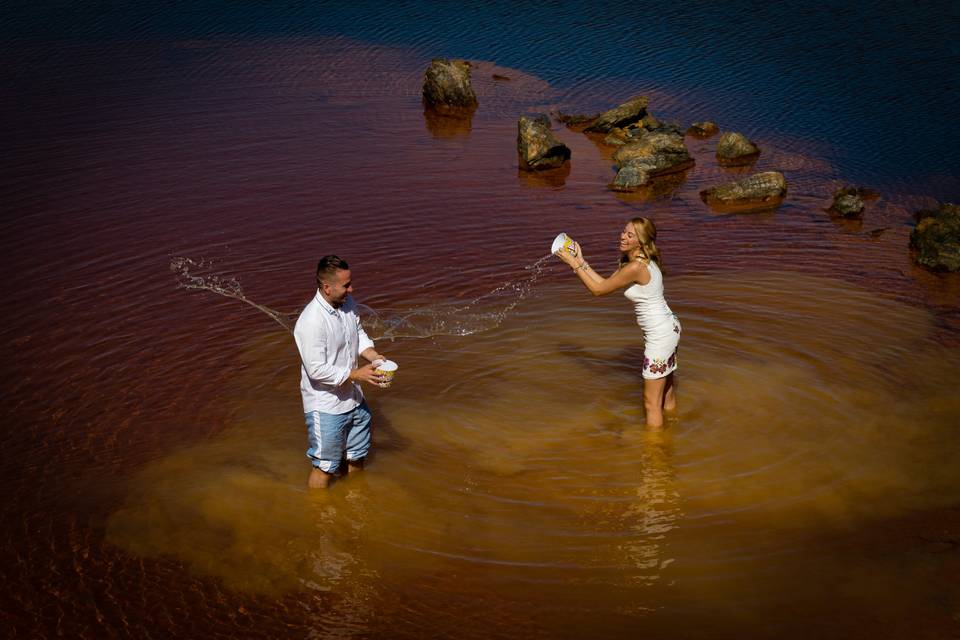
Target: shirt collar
[326,306]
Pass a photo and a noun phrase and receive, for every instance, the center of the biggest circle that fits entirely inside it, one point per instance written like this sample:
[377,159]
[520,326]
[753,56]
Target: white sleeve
[365,342]
[311,342]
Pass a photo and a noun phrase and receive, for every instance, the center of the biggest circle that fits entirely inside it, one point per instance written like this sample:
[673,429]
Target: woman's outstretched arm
[597,284]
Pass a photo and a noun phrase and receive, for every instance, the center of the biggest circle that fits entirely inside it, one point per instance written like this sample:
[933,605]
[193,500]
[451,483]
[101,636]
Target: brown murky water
[154,445]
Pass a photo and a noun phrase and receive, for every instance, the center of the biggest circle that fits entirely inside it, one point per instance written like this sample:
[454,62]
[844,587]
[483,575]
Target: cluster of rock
[649,150]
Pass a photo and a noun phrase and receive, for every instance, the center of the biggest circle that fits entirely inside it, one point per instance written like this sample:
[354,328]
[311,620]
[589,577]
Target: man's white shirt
[330,341]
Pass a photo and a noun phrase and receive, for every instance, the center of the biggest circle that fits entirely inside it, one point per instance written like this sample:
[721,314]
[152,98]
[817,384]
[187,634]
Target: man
[329,337]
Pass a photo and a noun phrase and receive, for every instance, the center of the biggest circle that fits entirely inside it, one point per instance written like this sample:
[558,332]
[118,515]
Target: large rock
[627,113]
[537,146]
[759,191]
[734,149]
[446,85]
[655,154]
[936,238]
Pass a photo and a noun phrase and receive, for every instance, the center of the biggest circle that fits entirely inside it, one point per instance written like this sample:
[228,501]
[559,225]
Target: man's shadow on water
[386,438]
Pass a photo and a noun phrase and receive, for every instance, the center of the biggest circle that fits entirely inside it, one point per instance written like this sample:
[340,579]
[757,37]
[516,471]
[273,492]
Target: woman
[640,271]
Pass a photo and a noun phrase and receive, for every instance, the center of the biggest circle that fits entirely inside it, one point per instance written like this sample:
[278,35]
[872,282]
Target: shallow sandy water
[517,460]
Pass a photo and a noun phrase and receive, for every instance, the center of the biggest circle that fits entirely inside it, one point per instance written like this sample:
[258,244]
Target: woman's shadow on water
[628,361]
[627,364]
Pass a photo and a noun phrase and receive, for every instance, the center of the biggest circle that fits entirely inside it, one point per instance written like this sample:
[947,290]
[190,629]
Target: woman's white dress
[661,328]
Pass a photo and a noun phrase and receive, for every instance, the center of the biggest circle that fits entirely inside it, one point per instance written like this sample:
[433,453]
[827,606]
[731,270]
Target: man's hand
[367,373]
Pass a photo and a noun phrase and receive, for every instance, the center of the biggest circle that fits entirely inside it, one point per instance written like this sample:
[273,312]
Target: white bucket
[387,369]
[561,242]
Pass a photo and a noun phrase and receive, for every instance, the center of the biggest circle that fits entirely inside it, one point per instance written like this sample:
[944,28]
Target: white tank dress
[661,328]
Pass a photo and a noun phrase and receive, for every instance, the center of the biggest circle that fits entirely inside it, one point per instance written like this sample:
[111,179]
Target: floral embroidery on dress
[659,365]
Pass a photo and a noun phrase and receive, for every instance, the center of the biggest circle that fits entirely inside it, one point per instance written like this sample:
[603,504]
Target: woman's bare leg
[653,392]
[670,396]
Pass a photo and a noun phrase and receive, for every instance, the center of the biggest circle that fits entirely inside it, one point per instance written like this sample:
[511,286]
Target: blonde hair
[646,235]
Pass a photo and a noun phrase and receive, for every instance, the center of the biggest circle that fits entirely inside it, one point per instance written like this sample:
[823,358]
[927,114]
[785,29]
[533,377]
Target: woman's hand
[573,259]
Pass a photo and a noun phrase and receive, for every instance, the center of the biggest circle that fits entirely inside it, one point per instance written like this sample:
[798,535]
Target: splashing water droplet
[483,313]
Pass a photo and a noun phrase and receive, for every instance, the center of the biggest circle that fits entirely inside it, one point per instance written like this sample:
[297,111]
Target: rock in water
[703,129]
[734,149]
[936,238]
[446,84]
[655,154]
[847,202]
[759,191]
[538,148]
[627,113]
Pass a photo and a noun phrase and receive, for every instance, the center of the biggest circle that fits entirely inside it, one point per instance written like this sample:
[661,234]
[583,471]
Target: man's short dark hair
[328,266]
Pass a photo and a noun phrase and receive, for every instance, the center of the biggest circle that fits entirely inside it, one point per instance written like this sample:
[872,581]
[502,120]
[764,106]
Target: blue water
[876,83]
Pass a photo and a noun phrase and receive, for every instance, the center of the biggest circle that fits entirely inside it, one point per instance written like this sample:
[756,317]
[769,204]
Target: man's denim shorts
[332,435]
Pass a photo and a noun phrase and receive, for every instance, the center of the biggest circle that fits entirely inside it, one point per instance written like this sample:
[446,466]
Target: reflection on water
[801,414]
[447,125]
[657,509]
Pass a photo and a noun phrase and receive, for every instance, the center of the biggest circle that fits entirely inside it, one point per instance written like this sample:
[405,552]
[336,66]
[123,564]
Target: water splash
[483,313]
[222,285]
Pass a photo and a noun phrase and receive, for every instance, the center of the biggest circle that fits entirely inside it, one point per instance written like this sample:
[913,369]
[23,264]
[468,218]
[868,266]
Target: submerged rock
[847,202]
[703,129]
[759,191]
[654,154]
[658,187]
[936,238]
[537,146]
[734,149]
[574,119]
[627,113]
[446,84]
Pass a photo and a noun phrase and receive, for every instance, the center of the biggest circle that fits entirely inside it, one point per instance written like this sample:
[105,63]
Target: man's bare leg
[318,479]
[354,466]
